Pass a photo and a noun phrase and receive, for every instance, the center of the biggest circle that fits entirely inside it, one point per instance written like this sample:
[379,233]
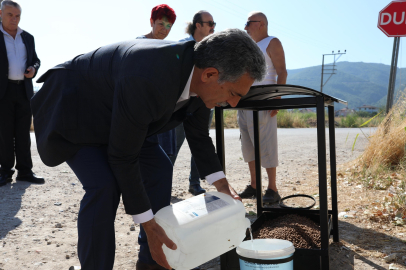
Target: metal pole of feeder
[333,171]
[220,136]
[257,151]
[322,163]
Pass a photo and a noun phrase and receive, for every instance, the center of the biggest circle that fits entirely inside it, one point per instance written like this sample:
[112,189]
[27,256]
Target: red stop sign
[392,19]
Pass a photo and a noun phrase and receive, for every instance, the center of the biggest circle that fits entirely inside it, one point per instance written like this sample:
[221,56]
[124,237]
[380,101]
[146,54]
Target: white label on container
[200,205]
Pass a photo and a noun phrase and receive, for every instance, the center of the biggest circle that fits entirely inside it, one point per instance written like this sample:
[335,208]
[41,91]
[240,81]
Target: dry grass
[386,146]
[286,119]
[289,119]
[296,119]
[382,166]
[230,119]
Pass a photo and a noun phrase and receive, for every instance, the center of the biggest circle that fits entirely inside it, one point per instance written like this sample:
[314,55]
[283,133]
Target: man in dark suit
[18,65]
[95,111]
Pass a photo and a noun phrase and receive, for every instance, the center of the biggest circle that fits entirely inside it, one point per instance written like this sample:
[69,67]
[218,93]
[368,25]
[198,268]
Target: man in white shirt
[201,26]
[18,65]
[257,28]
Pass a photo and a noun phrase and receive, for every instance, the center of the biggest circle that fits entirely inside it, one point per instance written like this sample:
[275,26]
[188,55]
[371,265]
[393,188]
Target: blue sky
[307,29]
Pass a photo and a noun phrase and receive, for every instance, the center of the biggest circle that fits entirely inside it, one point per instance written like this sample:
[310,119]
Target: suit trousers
[96,244]
[15,123]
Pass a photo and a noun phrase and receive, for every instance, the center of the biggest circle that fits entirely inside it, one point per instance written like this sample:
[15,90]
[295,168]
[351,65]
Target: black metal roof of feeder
[268,92]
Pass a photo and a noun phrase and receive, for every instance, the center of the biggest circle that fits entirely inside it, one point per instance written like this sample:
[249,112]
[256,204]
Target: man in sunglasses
[201,26]
[257,28]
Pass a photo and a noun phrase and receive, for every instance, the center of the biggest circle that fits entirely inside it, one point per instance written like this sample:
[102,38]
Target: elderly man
[257,28]
[95,111]
[201,26]
[18,65]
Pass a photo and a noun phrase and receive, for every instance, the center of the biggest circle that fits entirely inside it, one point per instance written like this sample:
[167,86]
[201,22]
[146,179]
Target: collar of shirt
[19,30]
[187,39]
[186,94]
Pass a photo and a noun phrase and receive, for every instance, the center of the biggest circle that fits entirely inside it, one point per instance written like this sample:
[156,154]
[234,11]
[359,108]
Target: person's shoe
[271,196]
[145,266]
[74,268]
[196,189]
[248,192]
[5,178]
[31,177]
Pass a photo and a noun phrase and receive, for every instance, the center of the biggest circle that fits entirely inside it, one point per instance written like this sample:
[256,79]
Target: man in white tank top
[257,28]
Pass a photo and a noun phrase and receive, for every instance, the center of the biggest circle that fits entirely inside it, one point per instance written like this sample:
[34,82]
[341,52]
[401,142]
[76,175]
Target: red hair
[163,10]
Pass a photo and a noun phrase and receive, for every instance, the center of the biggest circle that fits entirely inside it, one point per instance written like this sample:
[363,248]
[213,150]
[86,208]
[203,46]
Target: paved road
[232,133]
[235,132]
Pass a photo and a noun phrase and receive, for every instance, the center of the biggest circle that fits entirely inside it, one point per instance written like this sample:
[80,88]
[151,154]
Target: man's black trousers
[15,122]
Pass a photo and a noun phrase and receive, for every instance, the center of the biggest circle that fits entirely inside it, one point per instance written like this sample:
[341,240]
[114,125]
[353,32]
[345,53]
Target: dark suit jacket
[32,60]
[118,95]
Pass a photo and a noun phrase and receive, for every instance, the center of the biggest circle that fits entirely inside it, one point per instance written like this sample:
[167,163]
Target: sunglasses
[248,23]
[211,23]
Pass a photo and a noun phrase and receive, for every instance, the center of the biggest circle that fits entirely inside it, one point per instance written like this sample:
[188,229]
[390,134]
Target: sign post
[392,21]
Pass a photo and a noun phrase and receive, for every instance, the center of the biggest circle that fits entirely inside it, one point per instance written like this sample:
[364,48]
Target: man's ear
[210,74]
[152,22]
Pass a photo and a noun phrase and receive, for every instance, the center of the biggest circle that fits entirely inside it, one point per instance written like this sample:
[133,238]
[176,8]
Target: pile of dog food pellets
[301,231]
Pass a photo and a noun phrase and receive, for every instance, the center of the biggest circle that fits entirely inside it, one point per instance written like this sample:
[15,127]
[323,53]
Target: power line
[329,71]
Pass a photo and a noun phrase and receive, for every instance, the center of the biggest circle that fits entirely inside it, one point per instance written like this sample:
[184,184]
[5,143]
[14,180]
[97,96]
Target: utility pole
[331,68]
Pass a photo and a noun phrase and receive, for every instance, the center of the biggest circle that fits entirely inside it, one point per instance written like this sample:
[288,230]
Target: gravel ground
[38,222]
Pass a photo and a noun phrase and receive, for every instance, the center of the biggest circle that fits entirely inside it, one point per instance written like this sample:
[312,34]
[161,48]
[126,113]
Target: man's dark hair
[233,53]
[191,26]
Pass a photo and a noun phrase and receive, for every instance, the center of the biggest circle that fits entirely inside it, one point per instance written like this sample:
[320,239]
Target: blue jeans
[194,177]
[96,244]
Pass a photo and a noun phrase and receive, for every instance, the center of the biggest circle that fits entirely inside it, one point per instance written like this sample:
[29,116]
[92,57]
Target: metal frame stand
[327,225]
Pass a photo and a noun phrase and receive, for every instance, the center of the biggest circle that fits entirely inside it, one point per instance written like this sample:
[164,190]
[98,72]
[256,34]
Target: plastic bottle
[203,227]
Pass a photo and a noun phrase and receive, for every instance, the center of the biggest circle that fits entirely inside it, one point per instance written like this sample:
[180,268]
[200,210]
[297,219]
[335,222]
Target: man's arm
[277,55]
[203,151]
[34,65]
[134,108]
[129,125]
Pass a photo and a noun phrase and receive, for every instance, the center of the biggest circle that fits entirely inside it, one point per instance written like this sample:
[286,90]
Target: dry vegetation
[297,119]
[382,167]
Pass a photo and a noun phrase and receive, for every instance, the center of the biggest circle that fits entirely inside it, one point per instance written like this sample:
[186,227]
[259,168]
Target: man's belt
[16,81]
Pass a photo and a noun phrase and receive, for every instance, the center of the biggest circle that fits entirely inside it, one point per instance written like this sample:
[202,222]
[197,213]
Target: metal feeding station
[262,98]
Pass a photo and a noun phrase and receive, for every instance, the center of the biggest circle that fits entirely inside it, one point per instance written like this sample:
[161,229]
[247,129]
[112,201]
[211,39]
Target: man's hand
[31,72]
[156,237]
[273,112]
[223,186]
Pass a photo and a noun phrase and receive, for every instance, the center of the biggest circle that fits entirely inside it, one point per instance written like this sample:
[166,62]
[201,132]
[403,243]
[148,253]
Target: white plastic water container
[265,254]
[203,227]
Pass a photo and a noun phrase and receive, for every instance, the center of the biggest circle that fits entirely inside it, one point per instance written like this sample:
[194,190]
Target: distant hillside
[356,82]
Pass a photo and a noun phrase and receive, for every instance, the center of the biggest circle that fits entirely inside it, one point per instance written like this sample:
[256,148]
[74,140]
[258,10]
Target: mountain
[358,83]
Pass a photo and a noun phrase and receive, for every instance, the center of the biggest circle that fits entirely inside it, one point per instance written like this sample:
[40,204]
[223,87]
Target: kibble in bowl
[301,231]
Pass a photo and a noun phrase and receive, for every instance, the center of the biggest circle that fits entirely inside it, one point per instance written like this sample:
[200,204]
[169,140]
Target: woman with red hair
[162,19]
